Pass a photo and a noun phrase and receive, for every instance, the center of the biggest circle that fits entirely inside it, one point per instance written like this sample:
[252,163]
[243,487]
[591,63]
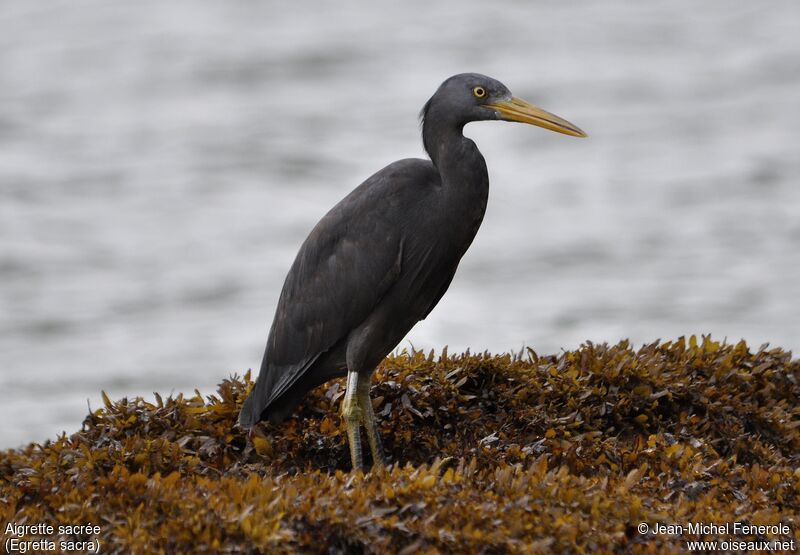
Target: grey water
[161,162]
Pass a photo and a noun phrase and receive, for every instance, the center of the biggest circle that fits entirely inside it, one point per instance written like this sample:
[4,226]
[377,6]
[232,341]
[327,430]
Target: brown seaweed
[491,454]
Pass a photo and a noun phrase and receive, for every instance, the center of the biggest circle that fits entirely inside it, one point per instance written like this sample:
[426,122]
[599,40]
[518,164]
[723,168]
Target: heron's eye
[479,92]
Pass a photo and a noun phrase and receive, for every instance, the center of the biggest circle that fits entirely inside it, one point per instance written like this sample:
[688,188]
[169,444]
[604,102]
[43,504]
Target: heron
[381,259]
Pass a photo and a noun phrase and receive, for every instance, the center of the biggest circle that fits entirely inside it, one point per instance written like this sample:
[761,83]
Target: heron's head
[470,97]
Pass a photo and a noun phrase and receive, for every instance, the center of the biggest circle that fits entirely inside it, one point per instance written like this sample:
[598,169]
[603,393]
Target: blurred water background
[161,162]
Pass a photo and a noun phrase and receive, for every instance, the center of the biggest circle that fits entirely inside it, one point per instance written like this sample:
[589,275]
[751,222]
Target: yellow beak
[517,109]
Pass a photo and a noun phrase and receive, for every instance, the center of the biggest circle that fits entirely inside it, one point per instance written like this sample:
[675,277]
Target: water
[160,163]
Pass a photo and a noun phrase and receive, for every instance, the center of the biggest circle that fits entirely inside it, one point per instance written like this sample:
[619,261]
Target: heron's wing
[346,265]
[340,274]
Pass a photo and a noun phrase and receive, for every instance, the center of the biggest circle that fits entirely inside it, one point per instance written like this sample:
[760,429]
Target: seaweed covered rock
[496,454]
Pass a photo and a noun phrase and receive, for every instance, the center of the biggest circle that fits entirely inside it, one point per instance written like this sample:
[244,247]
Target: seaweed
[510,453]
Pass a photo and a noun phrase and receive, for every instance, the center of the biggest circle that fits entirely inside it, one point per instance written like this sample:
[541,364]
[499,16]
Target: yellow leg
[353,416]
[373,434]
[357,410]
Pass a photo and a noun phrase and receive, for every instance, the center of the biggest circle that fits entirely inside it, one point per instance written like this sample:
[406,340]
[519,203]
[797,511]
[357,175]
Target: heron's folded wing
[340,274]
[346,265]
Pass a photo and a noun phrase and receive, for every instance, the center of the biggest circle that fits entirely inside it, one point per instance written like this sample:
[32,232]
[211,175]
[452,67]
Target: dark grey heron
[382,258]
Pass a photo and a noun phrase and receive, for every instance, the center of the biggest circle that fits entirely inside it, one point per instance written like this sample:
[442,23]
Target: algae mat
[605,448]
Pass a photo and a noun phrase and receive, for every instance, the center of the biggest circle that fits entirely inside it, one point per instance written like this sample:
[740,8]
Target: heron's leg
[373,434]
[353,416]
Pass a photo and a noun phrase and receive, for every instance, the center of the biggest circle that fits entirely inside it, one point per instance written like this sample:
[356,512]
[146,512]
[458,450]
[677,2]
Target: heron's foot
[357,411]
[371,426]
[353,416]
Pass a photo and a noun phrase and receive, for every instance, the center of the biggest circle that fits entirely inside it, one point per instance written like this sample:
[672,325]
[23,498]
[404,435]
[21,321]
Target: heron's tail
[256,408]
[267,401]
[250,413]
[278,391]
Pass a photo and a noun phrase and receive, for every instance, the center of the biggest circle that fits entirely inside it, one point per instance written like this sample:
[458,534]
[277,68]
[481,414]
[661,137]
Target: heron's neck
[457,158]
[464,178]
